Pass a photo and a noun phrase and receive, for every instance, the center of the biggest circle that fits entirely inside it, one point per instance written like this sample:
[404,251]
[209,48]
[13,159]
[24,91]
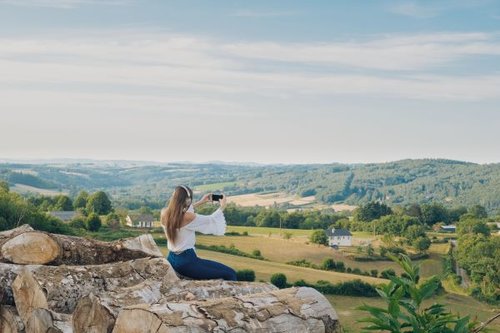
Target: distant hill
[403,182]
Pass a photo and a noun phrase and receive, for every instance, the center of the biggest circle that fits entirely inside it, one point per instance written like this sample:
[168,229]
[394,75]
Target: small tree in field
[319,237]
[93,222]
[279,280]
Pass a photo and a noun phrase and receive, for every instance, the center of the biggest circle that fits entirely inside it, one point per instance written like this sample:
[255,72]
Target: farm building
[339,237]
[140,221]
[449,228]
[65,215]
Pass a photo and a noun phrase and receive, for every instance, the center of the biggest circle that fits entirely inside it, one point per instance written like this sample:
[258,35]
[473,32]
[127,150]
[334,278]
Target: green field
[214,186]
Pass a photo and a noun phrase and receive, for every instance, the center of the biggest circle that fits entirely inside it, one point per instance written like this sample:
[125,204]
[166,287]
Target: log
[91,316]
[10,322]
[46,321]
[288,310]
[25,246]
[65,285]
[28,295]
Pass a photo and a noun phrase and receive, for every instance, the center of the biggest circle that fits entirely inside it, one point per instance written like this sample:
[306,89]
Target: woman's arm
[204,199]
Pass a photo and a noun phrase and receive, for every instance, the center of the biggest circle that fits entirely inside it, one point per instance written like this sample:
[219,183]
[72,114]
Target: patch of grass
[214,186]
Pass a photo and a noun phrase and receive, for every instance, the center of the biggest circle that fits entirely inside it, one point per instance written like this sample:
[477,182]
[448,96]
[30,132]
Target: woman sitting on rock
[180,224]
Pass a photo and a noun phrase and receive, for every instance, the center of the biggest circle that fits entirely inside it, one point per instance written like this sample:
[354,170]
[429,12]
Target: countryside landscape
[282,218]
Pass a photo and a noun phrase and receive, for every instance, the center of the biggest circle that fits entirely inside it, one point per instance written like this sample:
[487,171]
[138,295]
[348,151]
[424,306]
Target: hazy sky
[251,81]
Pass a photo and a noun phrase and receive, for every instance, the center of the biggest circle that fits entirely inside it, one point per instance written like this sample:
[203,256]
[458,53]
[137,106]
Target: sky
[250,81]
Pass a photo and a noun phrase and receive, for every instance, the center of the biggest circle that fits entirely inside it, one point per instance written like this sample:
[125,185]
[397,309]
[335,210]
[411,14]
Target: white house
[339,237]
[140,221]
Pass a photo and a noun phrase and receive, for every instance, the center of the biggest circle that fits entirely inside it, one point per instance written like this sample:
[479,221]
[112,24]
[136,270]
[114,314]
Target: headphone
[188,199]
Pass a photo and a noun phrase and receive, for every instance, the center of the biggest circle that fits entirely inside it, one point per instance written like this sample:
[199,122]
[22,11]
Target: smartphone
[217,197]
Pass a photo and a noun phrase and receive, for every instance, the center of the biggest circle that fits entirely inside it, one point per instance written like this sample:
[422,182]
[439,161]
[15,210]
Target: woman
[180,223]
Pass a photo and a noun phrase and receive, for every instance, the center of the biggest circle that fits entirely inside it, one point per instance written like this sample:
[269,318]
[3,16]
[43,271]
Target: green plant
[404,312]
[245,275]
[279,280]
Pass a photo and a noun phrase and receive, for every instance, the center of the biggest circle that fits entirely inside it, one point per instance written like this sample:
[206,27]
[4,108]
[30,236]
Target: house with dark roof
[140,220]
[339,237]
[65,215]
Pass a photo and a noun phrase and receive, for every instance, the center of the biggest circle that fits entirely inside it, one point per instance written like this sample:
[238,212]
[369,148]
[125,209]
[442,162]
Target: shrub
[93,222]
[374,272]
[245,233]
[287,235]
[245,275]
[340,266]
[319,237]
[387,273]
[279,280]
[328,264]
[78,223]
[256,253]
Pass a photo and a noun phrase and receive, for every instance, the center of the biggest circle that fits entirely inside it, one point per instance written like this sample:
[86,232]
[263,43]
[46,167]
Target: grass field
[23,189]
[214,186]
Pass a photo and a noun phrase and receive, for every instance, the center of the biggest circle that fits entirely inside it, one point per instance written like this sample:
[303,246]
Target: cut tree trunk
[24,246]
[91,316]
[46,321]
[65,285]
[288,310]
[28,295]
[10,322]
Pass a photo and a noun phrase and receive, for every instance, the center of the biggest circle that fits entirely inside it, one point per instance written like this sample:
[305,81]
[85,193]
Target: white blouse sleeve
[209,224]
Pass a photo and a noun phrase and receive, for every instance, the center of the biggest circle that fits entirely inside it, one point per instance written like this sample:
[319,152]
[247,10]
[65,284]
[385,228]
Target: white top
[206,224]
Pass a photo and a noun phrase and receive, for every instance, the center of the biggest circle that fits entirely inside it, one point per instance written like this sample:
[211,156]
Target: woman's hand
[206,198]
[222,202]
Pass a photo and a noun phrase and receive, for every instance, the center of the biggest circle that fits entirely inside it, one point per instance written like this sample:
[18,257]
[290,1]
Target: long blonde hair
[171,217]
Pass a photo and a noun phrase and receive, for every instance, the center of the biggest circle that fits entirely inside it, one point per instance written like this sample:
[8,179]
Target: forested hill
[409,181]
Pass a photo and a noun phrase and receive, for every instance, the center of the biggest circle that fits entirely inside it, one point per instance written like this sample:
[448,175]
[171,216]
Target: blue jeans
[189,265]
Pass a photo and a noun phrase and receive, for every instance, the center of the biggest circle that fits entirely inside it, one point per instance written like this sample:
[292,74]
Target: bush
[348,288]
[245,275]
[374,272]
[245,233]
[387,273]
[78,223]
[328,264]
[279,280]
[256,253]
[94,222]
[340,266]
[319,237]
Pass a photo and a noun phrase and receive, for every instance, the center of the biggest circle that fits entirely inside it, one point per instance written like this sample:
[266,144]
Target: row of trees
[98,203]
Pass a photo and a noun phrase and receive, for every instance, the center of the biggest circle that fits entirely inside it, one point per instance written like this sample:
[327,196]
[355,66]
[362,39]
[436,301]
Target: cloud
[191,73]
[414,10]
[262,13]
[64,4]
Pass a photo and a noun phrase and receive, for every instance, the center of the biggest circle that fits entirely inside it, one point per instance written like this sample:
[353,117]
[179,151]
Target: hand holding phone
[217,197]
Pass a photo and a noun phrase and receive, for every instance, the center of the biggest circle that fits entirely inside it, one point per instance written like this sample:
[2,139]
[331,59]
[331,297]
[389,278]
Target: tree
[4,186]
[113,221]
[422,244]
[478,211]
[371,211]
[434,213]
[328,264]
[319,237]
[99,203]
[63,202]
[81,200]
[279,280]
[415,231]
[472,226]
[78,223]
[93,222]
